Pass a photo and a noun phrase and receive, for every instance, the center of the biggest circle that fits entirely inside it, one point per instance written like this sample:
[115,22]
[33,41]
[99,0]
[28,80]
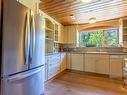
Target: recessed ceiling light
[72,16]
[92,20]
[86,1]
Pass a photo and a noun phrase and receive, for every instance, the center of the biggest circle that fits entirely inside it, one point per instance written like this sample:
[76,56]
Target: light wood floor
[72,83]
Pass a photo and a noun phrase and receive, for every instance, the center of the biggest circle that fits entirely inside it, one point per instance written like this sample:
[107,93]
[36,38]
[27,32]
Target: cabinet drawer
[52,65]
[53,71]
[53,58]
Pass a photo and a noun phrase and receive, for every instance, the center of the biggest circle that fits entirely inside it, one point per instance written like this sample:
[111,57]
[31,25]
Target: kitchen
[81,44]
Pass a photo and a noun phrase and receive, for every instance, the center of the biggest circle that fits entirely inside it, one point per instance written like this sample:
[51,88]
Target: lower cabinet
[77,62]
[97,63]
[52,71]
[90,63]
[68,60]
[116,65]
[55,64]
[63,62]
[102,64]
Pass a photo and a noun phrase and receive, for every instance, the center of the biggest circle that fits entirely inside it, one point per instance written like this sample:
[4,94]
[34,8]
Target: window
[99,38]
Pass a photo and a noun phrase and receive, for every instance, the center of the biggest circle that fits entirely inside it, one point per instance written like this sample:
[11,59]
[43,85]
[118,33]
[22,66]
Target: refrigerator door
[0,27]
[38,56]
[27,83]
[0,13]
[15,44]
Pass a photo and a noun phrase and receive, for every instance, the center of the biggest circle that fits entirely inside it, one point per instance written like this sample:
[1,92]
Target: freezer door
[28,83]
[15,38]
[38,55]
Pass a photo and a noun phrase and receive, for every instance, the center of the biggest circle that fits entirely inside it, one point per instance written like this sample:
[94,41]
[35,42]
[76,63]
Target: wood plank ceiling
[100,9]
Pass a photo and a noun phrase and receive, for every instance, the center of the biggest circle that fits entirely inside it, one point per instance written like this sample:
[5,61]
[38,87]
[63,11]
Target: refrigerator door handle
[32,27]
[23,75]
[27,38]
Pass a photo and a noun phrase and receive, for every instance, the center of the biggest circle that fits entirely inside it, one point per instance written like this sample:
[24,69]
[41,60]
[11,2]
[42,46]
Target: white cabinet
[68,60]
[102,64]
[116,64]
[53,63]
[97,63]
[63,62]
[70,34]
[77,62]
[90,63]
[61,34]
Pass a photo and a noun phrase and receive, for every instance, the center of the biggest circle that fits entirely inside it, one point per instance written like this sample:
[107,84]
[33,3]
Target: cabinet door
[116,64]
[65,35]
[102,64]
[53,65]
[77,62]
[53,71]
[61,34]
[70,34]
[63,62]
[68,60]
[97,63]
[90,60]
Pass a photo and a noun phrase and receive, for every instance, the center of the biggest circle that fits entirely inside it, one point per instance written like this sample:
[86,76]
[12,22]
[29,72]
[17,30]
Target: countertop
[90,52]
[53,53]
[109,53]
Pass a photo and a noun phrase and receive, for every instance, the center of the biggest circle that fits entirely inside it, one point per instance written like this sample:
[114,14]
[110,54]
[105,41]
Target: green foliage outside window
[102,38]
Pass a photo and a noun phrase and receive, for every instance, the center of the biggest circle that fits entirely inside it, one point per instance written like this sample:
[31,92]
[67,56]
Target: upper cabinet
[61,34]
[32,4]
[49,28]
[70,34]
[123,32]
[56,32]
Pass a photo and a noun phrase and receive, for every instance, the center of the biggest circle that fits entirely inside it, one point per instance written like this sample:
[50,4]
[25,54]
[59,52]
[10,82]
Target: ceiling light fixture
[72,16]
[86,1]
[92,20]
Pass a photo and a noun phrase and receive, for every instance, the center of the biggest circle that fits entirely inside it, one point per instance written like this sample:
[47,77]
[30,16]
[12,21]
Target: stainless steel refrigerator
[22,40]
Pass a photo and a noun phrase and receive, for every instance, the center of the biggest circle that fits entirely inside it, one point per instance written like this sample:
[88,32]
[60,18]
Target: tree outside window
[100,38]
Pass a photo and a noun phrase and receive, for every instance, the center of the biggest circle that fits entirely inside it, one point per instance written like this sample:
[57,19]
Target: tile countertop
[109,53]
[76,52]
[53,53]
